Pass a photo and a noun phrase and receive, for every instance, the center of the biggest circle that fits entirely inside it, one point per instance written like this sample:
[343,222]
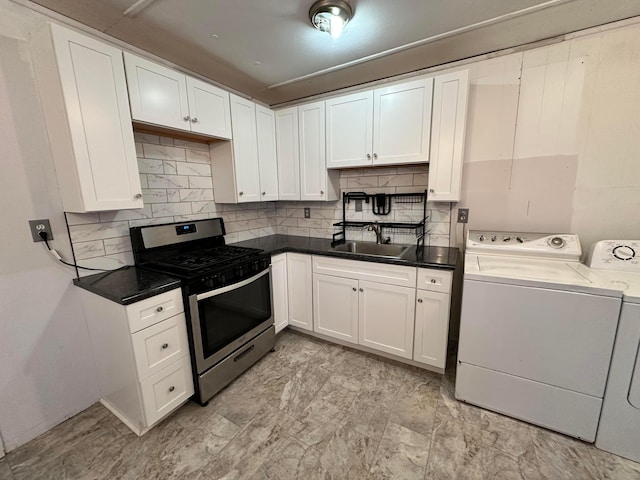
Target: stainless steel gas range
[226,292]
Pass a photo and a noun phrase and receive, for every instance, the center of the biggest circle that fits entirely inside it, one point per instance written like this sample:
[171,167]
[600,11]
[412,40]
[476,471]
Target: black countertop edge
[444,258]
[128,285]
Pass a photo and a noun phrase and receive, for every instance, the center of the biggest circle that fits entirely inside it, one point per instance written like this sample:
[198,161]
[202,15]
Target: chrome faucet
[375,227]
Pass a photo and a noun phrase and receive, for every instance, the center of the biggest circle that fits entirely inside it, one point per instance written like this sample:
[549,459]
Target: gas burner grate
[209,258]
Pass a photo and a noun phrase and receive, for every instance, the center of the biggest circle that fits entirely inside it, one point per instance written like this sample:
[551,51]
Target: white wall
[553,139]
[46,367]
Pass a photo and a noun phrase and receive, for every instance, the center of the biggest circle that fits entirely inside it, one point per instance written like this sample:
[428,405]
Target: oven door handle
[234,286]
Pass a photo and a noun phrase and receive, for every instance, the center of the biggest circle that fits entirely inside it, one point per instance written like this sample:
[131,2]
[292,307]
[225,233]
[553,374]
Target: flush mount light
[330,16]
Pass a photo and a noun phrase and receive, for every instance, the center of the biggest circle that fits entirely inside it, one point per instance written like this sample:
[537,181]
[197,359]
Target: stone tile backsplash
[175,176]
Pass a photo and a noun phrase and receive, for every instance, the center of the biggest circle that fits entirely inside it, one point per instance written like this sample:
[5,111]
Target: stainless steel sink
[374,249]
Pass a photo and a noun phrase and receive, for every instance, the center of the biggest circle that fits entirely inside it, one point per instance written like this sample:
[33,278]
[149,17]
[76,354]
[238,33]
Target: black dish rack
[381,204]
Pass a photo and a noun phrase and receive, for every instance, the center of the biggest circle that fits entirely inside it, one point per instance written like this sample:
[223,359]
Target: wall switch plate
[358,205]
[37,226]
[463,215]
[307,212]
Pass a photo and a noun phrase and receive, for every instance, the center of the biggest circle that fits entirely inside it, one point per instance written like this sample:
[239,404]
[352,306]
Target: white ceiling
[262,43]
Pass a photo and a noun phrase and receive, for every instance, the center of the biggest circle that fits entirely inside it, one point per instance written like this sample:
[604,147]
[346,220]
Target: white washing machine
[618,263]
[536,333]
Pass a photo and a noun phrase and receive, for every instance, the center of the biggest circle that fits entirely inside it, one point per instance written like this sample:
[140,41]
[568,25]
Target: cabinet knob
[431,190]
[241,193]
[368,156]
[165,346]
[375,155]
[172,388]
[187,118]
[355,289]
[194,120]
[419,300]
[264,193]
[137,196]
[321,192]
[362,289]
[159,309]
[433,280]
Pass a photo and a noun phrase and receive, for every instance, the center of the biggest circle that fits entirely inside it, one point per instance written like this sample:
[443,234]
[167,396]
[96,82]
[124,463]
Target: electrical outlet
[37,226]
[463,215]
[307,212]
[358,205]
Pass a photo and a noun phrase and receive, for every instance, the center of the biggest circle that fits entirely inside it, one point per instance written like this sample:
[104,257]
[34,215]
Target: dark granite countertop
[429,257]
[129,285]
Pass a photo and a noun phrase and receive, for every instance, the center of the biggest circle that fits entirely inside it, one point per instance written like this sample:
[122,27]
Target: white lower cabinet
[279,291]
[300,290]
[433,300]
[386,318]
[335,307]
[142,356]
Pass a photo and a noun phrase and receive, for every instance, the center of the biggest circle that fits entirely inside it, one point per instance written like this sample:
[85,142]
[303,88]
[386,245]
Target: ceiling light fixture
[330,16]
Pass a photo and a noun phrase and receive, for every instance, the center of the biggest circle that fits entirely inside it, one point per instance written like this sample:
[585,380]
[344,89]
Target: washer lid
[627,282]
[535,273]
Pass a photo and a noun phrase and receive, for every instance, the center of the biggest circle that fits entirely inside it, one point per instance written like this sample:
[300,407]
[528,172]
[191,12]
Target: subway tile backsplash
[175,175]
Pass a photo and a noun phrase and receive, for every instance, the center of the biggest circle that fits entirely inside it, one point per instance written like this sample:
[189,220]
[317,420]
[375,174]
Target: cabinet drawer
[152,310]
[165,390]
[434,280]
[159,345]
[374,272]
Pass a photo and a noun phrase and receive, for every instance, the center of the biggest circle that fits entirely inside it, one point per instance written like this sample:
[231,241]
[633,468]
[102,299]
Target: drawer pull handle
[159,309]
[172,388]
[433,280]
[419,300]
[240,355]
[165,346]
[355,289]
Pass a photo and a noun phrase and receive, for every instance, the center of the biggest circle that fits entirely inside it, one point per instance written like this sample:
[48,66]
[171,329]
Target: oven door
[224,319]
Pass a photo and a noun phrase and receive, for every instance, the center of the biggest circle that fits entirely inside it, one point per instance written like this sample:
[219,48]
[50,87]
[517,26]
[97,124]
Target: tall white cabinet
[300,290]
[279,288]
[84,97]
[450,99]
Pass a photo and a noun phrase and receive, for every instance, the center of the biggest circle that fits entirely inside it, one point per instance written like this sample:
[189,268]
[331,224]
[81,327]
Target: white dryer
[618,263]
[536,334]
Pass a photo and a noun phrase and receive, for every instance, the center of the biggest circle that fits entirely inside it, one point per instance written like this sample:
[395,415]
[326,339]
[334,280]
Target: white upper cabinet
[245,149]
[166,97]
[245,169]
[449,120]
[83,92]
[267,160]
[385,126]
[315,182]
[402,122]
[349,130]
[209,109]
[288,154]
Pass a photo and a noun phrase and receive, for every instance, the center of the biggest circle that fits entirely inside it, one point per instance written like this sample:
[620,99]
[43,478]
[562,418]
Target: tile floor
[316,410]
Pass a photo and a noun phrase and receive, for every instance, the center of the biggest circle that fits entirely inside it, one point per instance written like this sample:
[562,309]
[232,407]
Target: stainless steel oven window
[224,319]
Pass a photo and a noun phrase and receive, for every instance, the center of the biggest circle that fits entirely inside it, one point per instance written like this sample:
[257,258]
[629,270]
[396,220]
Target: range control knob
[557,242]
[624,252]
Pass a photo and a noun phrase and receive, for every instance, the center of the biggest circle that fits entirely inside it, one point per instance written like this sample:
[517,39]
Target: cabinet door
[335,307]
[266,137]
[157,94]
[90,126]
[402,122]
[313,168]
[299,286]
[245,149]
[279,289]
[386,318]
[450,93]
[209,109]
[349,130]
[288,154]
[432,328]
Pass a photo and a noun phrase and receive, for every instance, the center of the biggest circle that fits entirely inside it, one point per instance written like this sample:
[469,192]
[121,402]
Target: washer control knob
[520,239]
[557,242]
[624,252]
[481,238]
[493,239]
[506,239]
